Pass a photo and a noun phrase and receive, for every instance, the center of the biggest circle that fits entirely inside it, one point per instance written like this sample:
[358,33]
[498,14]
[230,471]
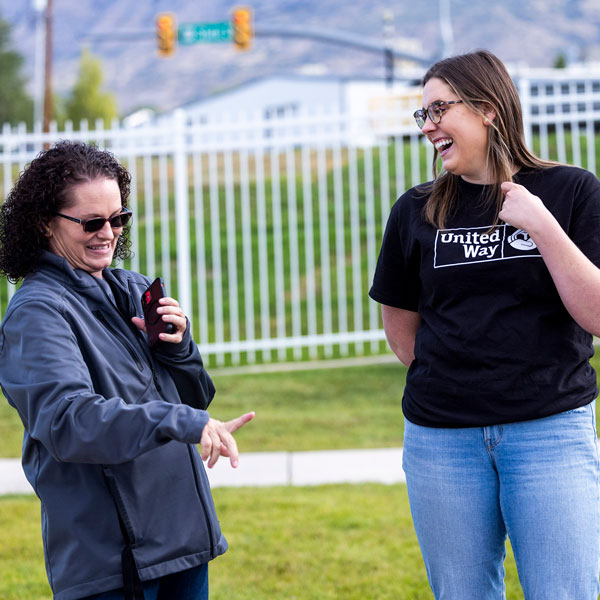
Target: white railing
[267,231]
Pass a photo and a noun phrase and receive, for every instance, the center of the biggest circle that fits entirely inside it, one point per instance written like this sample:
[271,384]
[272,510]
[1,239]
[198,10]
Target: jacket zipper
[140,365]
[118,292]
[131,577]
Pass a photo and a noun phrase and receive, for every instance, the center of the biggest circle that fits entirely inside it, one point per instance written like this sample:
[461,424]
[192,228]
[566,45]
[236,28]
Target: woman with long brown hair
[490,289]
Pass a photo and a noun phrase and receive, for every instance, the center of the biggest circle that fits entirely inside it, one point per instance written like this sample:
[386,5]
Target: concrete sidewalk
[381,465]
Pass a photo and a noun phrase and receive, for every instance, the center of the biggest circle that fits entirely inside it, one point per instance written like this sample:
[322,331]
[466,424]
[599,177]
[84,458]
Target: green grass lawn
[350,542]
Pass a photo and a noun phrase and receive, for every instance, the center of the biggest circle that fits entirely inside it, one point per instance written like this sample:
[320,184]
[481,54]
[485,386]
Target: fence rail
[267,230]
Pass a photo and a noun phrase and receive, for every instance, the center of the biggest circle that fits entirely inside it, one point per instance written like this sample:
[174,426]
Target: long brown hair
[482,82]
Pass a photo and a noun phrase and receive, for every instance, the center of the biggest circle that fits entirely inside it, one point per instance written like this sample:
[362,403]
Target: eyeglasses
[97,223]
[434,111]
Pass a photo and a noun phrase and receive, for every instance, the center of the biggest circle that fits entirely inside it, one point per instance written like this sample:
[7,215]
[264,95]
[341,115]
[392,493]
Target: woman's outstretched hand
[217,439]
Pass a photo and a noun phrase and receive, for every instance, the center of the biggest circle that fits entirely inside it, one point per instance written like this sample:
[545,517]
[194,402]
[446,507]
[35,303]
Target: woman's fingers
[170,312]
[240,421]
[211,443]
[217,440]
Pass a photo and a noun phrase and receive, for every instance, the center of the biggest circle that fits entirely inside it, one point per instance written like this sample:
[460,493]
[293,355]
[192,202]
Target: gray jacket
[109,447]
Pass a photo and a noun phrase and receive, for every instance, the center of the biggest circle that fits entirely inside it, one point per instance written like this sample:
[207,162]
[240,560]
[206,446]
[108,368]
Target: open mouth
[442,145]
[99,248]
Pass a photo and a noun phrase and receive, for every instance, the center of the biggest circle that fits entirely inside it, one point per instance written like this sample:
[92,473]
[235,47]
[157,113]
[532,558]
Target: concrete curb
[379,465]
[314,365]
[12,478]
[382,465]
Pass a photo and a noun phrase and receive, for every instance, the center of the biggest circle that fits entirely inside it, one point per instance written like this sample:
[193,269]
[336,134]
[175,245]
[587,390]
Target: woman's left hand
[522,209]
[170,312]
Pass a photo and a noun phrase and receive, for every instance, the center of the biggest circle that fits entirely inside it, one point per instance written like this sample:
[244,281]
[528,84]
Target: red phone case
[154,323]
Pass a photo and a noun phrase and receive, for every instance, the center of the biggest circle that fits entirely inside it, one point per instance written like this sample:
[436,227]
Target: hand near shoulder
[217,439]
[523,210]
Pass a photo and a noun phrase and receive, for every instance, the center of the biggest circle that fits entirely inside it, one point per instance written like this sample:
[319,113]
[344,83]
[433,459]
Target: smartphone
[154,322]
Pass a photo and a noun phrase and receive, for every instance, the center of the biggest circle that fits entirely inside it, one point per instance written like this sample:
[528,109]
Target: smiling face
[460,137]
[91,252]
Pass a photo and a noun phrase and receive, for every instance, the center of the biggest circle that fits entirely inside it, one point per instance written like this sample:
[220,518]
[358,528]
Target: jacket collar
[59,268]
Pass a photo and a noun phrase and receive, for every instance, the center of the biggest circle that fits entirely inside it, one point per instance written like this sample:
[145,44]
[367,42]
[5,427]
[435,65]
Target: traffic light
[243,27]
[166,33]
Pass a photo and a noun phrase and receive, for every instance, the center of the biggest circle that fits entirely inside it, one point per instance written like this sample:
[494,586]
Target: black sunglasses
[97,223]
[434,111]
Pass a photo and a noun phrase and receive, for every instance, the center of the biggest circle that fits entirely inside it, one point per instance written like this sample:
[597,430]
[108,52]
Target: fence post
[524,89]
[182,220]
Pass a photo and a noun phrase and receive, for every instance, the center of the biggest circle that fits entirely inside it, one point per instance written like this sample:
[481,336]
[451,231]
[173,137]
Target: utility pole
[39,6]
[446,29]
[388,35]
[48,68]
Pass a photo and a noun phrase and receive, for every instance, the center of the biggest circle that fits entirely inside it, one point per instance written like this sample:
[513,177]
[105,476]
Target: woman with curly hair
[111,423]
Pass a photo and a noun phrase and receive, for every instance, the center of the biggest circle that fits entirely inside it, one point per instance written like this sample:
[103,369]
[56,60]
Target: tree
[16,105]
[87,100]
[560,62]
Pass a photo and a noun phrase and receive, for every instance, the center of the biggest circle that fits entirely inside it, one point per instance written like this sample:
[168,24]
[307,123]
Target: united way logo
[455,247]
[521,240]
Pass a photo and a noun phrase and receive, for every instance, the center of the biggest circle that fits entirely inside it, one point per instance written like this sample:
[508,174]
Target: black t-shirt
[495,343]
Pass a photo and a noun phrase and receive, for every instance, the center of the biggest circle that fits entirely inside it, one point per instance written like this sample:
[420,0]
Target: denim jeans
[536,481]
[191,584]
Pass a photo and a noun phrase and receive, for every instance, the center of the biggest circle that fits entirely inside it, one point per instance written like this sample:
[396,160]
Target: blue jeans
[537,481]
[191,584]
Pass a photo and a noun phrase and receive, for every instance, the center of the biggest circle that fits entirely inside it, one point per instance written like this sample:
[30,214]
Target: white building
[382,106]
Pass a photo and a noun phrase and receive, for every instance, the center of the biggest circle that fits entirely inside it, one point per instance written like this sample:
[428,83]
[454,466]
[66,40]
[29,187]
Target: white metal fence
[267,231]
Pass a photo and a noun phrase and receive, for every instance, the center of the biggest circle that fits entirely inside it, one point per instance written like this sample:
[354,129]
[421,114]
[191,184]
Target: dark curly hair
[43,189]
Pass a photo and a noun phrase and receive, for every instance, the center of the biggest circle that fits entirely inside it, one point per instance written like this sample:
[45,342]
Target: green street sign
[193,33]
